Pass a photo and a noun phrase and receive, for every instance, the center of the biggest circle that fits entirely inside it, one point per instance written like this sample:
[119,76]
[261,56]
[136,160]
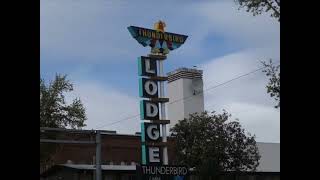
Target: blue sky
[89,41]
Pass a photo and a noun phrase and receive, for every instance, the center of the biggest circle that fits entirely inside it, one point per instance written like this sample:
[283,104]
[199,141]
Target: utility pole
[98,155]
[97,142]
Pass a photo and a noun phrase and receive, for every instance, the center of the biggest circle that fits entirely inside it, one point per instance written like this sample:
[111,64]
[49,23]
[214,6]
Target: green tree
[211,143]
[259,6]
[55,112]
[273,87]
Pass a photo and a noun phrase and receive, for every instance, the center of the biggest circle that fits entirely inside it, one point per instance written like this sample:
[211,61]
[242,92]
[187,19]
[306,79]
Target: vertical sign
[154,151]
[150,110]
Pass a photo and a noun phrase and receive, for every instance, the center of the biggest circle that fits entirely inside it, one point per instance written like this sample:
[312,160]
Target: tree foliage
[272,71]
[259,6]
[273,87]
[210,143]
[55,112]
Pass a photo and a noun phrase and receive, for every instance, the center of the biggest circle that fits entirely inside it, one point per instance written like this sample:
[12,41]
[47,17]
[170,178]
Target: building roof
[269,162]
[103,167]
[183,69]
[270,157]
[88,167]
[185,73]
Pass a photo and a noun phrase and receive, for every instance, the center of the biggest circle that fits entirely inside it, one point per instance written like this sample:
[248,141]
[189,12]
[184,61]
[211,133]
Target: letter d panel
[147,66]
[149,110]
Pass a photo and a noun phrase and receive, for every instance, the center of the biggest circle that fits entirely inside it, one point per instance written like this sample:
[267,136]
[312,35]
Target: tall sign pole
[154,151]
[163,116]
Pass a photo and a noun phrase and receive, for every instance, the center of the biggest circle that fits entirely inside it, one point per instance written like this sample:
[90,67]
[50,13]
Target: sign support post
[98,155]
[163,116]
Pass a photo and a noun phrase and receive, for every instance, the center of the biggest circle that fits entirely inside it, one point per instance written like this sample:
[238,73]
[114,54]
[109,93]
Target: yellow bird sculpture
[159,26]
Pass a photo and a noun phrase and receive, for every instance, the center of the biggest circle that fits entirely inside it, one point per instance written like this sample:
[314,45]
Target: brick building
[116,149]
[119,155]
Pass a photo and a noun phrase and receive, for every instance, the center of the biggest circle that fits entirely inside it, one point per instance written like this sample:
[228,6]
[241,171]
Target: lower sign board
[163,172]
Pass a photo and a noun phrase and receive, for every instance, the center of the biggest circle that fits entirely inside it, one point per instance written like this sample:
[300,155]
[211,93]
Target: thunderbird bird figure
[161,42]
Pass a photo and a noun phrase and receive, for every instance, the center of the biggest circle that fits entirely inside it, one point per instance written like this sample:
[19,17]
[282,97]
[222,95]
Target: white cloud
[258,119]
[106,105]
[228,66]
[90,31]
[245,98]
[224,18]
[81,30]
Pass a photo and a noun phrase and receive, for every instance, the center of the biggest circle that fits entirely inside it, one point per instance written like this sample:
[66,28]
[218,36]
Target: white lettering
[175,171]
[185,171]
[171,170]
[154,155]
[147,170]
[152,132]
[163,170]
[151,87]
[152,110]
[148,67]
[167,170]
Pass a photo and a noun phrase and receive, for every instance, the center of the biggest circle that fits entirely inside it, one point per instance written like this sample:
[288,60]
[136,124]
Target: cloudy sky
[89,41]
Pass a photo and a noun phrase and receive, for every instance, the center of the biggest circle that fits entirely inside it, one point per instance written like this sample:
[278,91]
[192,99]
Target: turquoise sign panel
[160,42]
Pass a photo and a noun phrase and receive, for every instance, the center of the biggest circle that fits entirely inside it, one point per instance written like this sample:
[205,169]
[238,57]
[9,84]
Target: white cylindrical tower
[185,92]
